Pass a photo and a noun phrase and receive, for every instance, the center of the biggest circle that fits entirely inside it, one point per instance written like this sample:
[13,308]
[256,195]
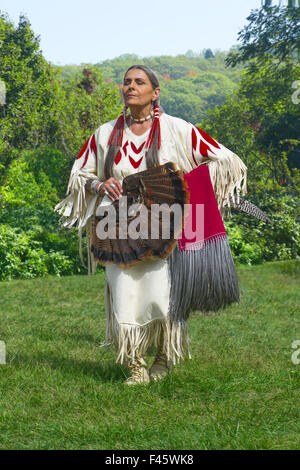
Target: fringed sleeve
[79,205]
[227,171]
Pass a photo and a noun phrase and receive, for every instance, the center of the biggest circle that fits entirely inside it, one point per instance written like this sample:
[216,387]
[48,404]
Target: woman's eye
[138,82]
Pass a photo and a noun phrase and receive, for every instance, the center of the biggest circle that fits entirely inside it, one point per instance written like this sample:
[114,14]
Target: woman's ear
[121,95]
[156,93]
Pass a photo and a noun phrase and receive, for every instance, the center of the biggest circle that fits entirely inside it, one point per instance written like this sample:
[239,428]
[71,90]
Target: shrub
[253,240]
[243,251]
[21,256]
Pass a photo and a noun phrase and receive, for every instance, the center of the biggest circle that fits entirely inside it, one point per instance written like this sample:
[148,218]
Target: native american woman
[149,303]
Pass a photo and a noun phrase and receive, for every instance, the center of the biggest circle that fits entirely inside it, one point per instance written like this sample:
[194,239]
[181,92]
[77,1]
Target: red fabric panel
[118,157]
[93,146]
[194,139]
[208,138]
[134,163]
[203,148]
[125,147]
[201,192]
[135,149]
[83,149]
[86,158]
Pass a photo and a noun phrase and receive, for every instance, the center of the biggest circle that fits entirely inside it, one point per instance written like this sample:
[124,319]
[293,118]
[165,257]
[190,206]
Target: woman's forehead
[136,73]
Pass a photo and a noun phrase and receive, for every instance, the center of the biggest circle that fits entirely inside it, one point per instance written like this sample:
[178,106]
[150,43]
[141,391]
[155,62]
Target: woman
[138,298]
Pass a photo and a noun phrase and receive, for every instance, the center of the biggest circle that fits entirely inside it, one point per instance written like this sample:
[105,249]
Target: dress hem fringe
[132,340]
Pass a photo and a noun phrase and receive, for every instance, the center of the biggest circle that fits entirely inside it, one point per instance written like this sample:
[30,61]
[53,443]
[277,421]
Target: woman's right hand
[112,188]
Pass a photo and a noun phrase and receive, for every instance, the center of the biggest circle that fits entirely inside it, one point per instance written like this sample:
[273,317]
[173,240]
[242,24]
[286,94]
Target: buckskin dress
[137,298]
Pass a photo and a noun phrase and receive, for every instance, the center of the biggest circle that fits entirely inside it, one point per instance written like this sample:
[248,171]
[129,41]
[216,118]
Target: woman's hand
[112,188]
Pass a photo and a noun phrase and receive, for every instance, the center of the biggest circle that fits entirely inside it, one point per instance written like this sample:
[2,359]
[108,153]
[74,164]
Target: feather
[161,185]
[249,208]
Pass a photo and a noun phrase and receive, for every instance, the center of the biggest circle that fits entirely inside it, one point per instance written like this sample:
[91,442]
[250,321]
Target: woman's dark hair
[151,156]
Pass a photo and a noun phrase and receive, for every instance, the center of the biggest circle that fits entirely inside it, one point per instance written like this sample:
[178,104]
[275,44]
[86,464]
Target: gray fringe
[204,279]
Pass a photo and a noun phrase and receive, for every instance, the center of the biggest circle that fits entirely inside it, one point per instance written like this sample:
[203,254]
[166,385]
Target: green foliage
[270,50]
[80,110]
[254,241]
[260,123]
[25,200]
[176,67]
[49,112]
[49,160]
[271,31]
[243,251]
[21,256]
[40,109]
[191,97]
[44,122]
[190,84]
[208,54]
[29,93]
[269,94]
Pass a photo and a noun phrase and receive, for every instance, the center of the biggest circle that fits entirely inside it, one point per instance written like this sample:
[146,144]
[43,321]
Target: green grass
[240,390]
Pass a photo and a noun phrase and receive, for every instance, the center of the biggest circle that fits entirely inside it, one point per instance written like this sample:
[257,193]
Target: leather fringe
[202,279]
[131,340]
[229,180]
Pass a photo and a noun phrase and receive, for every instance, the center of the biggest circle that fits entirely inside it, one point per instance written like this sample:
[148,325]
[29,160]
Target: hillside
[190,84]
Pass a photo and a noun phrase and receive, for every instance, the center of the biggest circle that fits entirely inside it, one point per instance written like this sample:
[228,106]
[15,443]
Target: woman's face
[137,89]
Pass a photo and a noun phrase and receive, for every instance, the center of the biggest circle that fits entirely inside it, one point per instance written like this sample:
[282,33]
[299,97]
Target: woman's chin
[132,102]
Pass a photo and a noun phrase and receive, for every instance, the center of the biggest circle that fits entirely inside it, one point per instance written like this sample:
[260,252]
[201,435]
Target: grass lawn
[240,390]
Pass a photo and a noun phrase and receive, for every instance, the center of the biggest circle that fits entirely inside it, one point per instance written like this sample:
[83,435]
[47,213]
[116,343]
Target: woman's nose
[131,86]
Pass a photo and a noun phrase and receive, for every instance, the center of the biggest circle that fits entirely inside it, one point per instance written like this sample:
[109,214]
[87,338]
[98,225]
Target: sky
[90,31]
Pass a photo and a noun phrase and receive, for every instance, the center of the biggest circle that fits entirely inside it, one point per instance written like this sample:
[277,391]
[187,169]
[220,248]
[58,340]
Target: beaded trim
[143,119]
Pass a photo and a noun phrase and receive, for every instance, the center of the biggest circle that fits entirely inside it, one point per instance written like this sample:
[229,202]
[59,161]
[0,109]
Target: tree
[27,77]
[273,31]
[44,121]
[269,43]
[208,54]
[42,108]
[84,101]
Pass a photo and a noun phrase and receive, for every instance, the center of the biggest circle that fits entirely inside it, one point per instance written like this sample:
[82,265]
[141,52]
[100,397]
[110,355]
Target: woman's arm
[79,204]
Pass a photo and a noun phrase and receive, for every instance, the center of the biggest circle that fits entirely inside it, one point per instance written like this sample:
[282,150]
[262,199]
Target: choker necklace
[143,119]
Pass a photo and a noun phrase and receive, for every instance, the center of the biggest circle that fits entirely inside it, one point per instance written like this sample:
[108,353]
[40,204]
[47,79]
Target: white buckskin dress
[137,298]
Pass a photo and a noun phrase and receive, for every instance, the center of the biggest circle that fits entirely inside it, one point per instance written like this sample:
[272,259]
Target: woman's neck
[138,112]
[140,119]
